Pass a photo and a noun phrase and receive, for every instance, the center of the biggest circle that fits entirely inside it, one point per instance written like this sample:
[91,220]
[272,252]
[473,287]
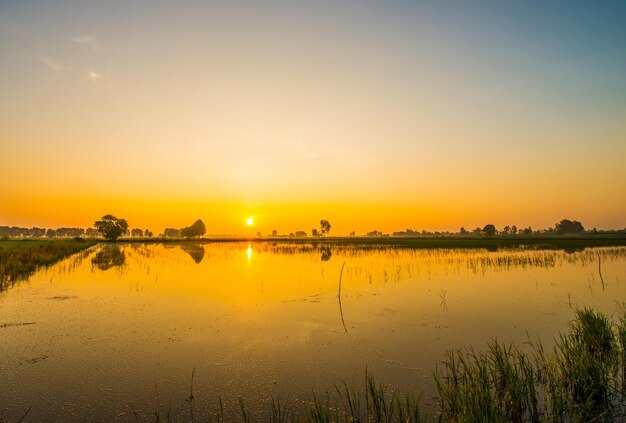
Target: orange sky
[374,116]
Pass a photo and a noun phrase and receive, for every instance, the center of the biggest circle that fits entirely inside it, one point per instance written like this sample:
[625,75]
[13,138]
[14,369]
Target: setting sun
[250,221]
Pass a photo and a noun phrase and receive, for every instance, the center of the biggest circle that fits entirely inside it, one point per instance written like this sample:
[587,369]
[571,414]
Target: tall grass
[582,379]
[19,259]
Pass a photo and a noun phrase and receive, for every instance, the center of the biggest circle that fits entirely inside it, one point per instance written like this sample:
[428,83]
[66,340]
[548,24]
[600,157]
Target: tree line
[564,227]
[112,228]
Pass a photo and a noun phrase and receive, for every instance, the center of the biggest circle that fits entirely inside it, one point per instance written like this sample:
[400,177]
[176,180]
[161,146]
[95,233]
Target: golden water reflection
[256,319]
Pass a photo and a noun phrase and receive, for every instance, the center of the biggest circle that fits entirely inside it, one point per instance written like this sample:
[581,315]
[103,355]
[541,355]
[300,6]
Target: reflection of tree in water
[326,254]
[109,256]
[195,251]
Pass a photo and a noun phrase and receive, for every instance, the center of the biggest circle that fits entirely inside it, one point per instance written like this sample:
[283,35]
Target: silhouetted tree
[111,227]
[148,233]
[489,230]
[506,230]
[69,232]
[463,231]
[527,231]
[353,233]
[566,226]
[259,235]
[38,232]
[136,232]
[197,229]
[314,232]
[324,227]
[513,230]
[171,232]
[274,232]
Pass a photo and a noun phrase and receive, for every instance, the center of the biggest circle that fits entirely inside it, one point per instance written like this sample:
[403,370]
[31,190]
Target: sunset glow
[373,115]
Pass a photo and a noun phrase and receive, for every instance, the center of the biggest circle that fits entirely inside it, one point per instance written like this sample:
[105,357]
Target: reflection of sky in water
[262,318]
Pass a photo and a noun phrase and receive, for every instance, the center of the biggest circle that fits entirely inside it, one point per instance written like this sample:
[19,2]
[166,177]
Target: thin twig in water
[444,303]
[25,414]
[190,398]
[7,325]
[339,297]
[600,272]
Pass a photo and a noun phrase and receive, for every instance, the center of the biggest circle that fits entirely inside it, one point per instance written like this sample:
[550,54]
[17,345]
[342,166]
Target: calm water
[118,329]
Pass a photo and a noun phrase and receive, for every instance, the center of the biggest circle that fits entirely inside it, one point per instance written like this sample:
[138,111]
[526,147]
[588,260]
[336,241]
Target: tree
[463,231]
[513,230]
[136,232]
[314,232]
[148,233]
[197,229]
[566,226]
[324,227]
[171,233]
[489,230]
[111,227]
[506,230]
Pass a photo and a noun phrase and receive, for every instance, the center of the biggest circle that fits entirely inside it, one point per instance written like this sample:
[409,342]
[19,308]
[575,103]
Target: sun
[250,221]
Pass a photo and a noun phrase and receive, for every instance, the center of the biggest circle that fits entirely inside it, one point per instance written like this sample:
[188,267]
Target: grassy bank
[20,258]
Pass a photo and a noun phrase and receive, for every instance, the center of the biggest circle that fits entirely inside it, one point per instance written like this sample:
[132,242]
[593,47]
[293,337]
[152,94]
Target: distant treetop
[111,227]
[566,226]
[196,230]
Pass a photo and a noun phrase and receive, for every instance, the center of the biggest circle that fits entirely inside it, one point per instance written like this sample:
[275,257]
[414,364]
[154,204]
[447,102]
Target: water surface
[119,328]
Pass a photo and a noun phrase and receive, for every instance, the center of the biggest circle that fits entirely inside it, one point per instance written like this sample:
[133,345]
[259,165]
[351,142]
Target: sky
[373,115]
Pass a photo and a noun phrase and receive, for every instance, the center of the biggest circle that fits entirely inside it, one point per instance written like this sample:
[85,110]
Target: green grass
[20,258]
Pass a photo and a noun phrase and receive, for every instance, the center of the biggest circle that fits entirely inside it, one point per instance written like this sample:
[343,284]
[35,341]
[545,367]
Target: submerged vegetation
[19,259]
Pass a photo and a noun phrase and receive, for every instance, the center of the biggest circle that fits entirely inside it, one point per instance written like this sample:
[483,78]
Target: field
[19,258]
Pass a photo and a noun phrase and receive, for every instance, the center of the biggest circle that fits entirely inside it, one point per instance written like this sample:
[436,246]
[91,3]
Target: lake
[116,331]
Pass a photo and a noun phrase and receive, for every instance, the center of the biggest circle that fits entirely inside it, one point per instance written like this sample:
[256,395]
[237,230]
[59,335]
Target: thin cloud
[51,63]
[95,76]
[85,39]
